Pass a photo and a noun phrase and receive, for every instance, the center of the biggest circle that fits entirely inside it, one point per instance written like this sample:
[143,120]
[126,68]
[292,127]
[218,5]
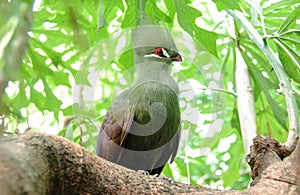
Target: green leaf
[186,16]
[274,61]
[225,62]
[225,5]
[235,120]
[290,59]
[21,100]
[207,39]
[82,78]
[61,78]
[279,113]
[181,166]
[295,41]
[37,98]
[101,17]
[109,5]
[242,182]
[171,9]
[267,124]
[263,64]
[62,132]
[131,14]
[53,55]
[290,20]
[127,59]
[86,112]
[232,174]
[255,11]
[15,23]
[69,133]
[155,14]
[167,171]
[298,100]
[52,102]
[38,63]
[68,111]
[279,6]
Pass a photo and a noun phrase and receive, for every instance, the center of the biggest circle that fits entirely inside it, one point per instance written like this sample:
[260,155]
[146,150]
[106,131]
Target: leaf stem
[215,89]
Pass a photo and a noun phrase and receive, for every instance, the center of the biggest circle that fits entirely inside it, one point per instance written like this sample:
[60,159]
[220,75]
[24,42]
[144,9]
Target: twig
[214,89]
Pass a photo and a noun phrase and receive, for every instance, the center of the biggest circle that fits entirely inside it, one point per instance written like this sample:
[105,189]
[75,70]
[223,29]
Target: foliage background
[39,94]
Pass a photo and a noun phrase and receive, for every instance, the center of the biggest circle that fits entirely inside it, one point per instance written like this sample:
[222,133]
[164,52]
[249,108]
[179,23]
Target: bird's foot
[164,177]
[144,172]
[167,178]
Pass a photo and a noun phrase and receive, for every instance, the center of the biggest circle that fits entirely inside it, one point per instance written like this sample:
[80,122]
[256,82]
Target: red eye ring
[159,52]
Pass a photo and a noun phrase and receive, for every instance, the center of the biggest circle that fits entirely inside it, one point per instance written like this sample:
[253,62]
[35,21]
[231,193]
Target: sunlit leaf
[82,78]
[52,103]
[68,111]
[167,171]
[223,5]
[131,14]
[171,9]
[290,58]
[186,16]
[208,39]
[290,20]
[21,100]
[279,113]
[101,17]
[155,14]
[37,98]
[69,133]
[232,174]
[61,78]
[62,132]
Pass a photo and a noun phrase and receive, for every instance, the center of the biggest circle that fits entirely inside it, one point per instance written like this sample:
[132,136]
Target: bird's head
[154,43]
[161,52]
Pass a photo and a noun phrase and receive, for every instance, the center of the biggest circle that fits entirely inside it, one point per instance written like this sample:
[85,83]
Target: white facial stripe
[165,53]
[156,56]
[152,55]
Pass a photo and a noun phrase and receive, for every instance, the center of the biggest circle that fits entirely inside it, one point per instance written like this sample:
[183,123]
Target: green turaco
[141,130]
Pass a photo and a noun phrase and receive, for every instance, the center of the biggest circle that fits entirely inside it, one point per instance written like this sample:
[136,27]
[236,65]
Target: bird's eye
[159,52]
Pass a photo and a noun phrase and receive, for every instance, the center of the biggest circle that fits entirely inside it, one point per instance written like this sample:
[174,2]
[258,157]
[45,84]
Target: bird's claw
[167,178]
[144,172]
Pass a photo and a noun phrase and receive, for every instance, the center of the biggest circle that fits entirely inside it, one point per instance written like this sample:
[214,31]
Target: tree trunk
[38,163]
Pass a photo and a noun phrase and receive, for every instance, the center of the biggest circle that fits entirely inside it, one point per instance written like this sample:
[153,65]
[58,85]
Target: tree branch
[37,163]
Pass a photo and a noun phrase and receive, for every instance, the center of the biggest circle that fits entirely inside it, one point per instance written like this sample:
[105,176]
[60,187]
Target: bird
[141,129]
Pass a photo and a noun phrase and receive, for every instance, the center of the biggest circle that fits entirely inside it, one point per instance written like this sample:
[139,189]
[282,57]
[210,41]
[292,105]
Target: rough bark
[37,163]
